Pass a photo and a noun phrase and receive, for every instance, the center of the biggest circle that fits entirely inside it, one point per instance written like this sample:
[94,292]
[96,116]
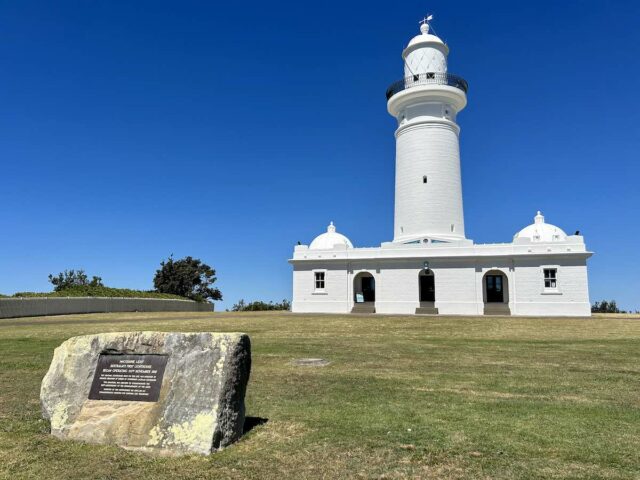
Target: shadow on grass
[252,422]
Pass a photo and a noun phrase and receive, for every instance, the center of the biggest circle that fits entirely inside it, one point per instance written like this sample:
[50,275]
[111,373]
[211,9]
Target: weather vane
[424,24]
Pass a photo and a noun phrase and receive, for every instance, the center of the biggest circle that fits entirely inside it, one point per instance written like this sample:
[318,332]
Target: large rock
[199,406]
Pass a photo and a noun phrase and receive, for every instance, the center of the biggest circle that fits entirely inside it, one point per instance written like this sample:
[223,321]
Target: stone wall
[33,307]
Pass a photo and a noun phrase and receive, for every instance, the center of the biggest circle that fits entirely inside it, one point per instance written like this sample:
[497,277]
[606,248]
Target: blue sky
[230,130]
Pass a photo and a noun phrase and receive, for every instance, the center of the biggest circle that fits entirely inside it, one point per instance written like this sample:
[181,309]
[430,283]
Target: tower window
[319,280]
[424,179]
[550,278]
[453,227]
[416,78]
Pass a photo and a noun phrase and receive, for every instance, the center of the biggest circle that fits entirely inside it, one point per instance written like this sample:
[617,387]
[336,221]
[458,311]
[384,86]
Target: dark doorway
[427,288]
[369,289]
[495,289]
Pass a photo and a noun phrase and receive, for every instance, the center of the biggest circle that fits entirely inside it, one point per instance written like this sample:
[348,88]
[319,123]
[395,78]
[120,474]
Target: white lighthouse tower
[430,267]
[428,195]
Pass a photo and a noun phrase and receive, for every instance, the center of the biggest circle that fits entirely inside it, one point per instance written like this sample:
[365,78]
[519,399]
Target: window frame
[317,289]
[551,279]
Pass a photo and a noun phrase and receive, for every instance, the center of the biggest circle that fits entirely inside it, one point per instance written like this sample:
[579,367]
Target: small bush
[606,307]
[259,306]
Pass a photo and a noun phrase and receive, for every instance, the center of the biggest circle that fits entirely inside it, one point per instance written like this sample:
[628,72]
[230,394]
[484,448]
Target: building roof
[330,239]
[539,231]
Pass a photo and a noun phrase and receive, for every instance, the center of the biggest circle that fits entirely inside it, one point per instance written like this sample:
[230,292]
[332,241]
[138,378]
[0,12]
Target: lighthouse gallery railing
[429,78]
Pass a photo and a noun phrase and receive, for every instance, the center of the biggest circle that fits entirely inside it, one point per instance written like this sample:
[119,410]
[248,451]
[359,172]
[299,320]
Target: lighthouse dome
[539,231]
[426,39]
[425,53]
[330,239]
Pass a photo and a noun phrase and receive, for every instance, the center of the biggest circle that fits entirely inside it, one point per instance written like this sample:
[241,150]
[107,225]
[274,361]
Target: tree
[72,278]
[187,277]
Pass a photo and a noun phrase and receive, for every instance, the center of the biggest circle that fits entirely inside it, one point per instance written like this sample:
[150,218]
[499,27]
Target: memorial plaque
[128,377]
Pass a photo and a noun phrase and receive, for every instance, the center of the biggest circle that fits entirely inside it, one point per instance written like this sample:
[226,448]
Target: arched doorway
[364,293]
[364,288]
[495,293]
[427,286]
[427,292]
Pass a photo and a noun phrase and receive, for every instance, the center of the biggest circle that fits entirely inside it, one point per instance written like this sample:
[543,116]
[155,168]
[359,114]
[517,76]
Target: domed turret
[539,231]
[425,53]
[330,240]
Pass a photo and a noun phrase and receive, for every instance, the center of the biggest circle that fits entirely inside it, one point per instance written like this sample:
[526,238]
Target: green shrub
[259,306]
[606,307]
[72,278]
[97,291]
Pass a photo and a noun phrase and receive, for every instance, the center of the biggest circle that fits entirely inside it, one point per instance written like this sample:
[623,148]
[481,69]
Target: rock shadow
[252,422]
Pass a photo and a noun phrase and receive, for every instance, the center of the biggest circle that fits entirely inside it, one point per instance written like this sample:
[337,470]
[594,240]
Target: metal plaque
[128,377]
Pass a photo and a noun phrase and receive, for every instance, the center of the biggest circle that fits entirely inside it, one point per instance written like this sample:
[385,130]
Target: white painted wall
[335,297]
[571,297]
[428,147]
[458,281]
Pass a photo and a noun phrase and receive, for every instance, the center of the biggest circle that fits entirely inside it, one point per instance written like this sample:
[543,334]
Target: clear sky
[228,131]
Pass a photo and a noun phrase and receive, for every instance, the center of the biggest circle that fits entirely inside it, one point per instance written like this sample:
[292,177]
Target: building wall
[459,285]
[334,299]
[571,298]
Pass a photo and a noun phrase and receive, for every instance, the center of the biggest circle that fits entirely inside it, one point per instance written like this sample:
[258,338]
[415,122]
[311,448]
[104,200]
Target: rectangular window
[319,280]
[550,278]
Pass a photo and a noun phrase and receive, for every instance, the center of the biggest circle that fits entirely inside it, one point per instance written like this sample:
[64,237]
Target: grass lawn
[404,397]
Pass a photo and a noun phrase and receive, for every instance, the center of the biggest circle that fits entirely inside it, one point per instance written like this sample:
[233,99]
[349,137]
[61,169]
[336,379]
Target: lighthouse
[425,103]
[430,267]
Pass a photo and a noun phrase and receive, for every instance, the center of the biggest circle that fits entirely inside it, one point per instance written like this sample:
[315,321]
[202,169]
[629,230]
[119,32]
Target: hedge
[88,291]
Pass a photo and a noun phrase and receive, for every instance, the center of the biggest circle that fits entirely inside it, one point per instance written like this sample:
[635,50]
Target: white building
[430,266]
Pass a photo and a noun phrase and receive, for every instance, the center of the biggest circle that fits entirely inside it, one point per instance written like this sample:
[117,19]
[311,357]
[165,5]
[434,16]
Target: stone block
[200,394]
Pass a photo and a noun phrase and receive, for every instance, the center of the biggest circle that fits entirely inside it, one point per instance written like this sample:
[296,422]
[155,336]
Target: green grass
[404,397]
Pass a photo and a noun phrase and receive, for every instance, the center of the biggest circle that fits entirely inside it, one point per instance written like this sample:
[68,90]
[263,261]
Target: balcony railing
[429,78]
